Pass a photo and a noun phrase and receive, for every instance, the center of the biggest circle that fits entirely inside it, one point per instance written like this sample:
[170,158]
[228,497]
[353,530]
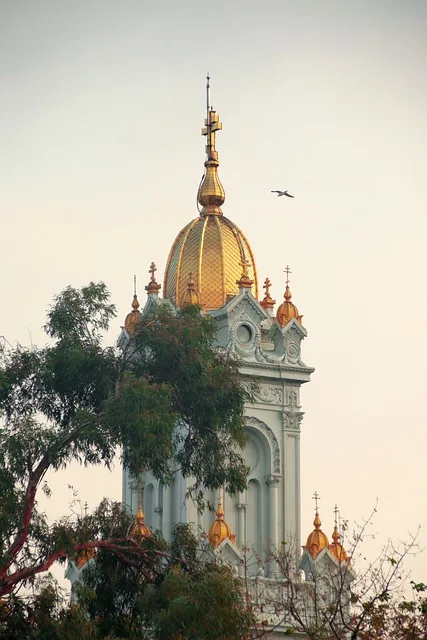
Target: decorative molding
[269,395]
[292,398]
[244,350]
[251,421]
[291,420]
[273,480]
[249,305]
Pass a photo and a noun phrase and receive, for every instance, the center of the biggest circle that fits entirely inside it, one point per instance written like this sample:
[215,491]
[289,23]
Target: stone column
[273,485]
[241,524]
[167,513]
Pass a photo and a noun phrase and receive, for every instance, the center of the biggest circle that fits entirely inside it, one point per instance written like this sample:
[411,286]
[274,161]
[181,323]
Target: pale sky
[101,105]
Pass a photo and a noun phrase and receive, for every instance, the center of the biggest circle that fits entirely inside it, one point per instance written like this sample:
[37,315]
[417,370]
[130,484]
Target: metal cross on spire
[208,97]
[287,271]
[134,285]
[316,498]
[266,286]
[152,270]
[245,266]
[336,515]
[212,125]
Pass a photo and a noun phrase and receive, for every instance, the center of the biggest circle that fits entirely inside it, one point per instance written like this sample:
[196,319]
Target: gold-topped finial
[267,302]
[287,310]
[85,554]
[219,529]
[336,548]
[190,296]
[211,192]
[152,286]
[317,540]
[138,530]
[133,317]
[245,282]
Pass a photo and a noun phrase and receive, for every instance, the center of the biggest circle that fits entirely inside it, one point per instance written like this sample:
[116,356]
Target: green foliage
[75,399]
[154,596]
[45,615]
[170,596]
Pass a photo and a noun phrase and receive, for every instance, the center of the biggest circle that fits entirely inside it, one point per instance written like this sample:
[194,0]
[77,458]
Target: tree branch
[34,480]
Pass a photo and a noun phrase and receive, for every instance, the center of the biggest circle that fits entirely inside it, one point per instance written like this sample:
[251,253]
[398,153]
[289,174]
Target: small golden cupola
[191,296]
[336,548]
[138,530]
[287,310]
[134,315]
[219,529]
[317,540]
[211,247]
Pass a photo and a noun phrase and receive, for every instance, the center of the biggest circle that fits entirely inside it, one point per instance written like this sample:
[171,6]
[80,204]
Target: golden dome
[138,530]
[210,247]
[84,557]
[287,310]
[219,529]
[317,540]
[133,317]
[336,547]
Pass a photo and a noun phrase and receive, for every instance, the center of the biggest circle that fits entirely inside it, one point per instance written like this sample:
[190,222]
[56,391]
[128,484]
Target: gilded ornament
[317,540]
[210,247]
[219,529]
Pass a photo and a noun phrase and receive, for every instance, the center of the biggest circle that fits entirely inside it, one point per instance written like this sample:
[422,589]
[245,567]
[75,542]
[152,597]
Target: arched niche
[268,438]
[259,456]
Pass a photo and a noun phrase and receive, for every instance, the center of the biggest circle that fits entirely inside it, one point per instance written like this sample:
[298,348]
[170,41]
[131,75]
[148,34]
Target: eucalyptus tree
[76,399]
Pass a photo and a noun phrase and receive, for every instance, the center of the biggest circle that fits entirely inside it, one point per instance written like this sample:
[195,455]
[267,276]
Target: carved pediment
[228,553]
[246,305]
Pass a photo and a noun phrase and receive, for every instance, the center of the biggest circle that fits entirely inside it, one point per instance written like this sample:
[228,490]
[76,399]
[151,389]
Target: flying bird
[283,193]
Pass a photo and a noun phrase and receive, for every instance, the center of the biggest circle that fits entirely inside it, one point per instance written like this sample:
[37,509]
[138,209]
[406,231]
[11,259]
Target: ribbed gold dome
[336,547]
[212,248]
[317,540]
[219,529]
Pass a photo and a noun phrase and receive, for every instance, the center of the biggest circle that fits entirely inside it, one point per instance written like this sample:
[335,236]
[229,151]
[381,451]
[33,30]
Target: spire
[85,554]
[138,530]
[133,317]
[211,193]
[336,548]
[220,530]
[152,286]
[316,522]
[245,282]
[317,540]
[268,302]
[287,310]
[190,296]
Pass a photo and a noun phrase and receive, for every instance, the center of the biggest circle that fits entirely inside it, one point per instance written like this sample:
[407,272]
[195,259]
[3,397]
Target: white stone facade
[268,511]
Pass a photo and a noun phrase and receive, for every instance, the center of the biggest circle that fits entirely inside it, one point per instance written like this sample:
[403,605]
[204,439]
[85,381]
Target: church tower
[211,263]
